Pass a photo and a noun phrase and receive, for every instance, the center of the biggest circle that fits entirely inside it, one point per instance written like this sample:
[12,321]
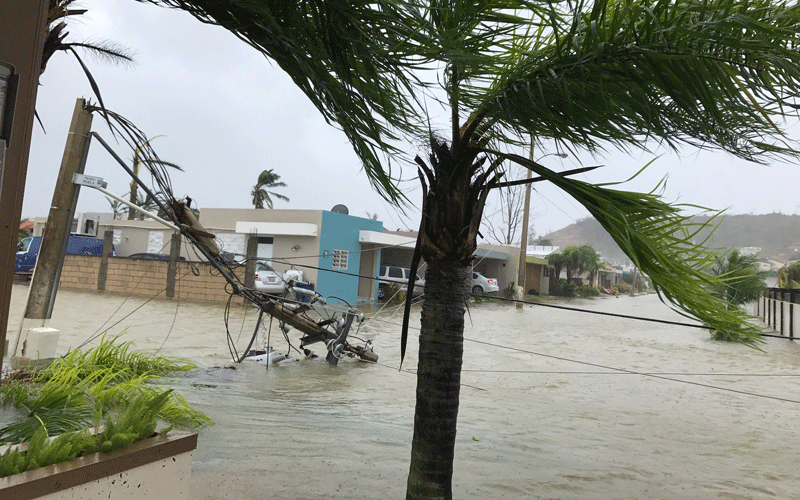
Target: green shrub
[510,291]
[623,287]
[586,291]
[562,288]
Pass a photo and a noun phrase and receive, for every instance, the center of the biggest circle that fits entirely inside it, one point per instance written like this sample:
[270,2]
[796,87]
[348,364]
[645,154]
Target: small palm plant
[739,282]
[108,388]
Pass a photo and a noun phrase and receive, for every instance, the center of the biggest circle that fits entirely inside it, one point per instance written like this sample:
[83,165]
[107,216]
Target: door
[264,250]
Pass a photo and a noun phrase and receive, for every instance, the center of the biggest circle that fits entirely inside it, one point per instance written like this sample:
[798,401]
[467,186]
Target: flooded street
[554,404]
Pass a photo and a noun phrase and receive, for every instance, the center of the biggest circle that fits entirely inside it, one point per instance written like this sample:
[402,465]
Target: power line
[633,372]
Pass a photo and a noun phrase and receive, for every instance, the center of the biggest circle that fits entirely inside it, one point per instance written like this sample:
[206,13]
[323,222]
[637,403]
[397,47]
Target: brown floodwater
[554,404]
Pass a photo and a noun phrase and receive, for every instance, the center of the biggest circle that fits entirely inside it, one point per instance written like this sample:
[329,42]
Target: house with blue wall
[325,246]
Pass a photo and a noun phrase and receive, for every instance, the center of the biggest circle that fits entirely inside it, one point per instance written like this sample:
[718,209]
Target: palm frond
[105,50]
[658,239]
[711,74]
[353,60]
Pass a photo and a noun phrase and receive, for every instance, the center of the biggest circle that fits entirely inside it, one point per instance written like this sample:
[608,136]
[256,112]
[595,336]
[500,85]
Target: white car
[394,275]
[269,281]
[480,283]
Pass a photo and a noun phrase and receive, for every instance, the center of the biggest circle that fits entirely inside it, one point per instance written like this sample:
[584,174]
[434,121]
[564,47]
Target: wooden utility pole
[108,247]
[22,23]
[523,246]
[44,284]
[172,267]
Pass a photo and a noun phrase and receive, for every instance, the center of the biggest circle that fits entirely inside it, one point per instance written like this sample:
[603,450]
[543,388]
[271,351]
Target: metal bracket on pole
[99,184]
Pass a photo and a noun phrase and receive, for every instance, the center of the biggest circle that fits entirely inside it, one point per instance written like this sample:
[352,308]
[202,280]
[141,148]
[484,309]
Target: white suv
[399,276]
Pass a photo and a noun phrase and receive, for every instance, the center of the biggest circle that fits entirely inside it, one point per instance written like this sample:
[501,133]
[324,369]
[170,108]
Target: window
[23,245]
[340,259]
[396,272]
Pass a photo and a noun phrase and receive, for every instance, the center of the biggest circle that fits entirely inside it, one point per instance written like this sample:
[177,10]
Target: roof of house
[536,260]
[484,253]
[540,251]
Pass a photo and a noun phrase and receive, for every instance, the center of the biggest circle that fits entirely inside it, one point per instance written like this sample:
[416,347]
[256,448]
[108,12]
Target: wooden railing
[777,307]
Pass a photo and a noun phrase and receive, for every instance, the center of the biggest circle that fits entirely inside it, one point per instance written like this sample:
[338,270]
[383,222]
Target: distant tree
[789,277]
[739,281]
[118,209]
[372,216]
[558,260]
[138,161]
[579,260]
[503,224]
[23,233]
[267,180]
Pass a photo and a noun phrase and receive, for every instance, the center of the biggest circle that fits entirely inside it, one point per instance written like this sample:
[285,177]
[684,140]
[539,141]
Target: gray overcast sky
[227,113]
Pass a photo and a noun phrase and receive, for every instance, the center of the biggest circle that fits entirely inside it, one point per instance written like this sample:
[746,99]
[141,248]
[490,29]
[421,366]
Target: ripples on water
[533,421]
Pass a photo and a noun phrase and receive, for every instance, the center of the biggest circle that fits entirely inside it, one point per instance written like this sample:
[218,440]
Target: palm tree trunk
[133,199]
[441,344]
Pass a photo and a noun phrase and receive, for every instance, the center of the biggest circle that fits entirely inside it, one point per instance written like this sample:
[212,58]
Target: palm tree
[138,161]
[589,75]
[267,179]
[578,260]
[56,41]
[558,260]
[117,208]
[740,283]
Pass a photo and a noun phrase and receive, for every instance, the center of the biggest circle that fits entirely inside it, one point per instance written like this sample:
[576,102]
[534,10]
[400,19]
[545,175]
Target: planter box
[159,467]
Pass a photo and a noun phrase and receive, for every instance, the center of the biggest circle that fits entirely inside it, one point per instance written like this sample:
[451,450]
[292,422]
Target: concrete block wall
[144,278]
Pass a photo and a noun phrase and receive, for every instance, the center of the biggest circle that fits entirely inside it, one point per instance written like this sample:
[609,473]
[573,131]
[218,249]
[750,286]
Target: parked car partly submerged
[481,283]
[267,280]
[399,276]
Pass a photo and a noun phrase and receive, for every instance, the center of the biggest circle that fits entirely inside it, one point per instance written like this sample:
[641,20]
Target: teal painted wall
[340,232]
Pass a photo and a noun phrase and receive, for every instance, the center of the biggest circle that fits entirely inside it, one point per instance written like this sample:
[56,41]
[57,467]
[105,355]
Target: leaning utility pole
[23,24]
[44,284]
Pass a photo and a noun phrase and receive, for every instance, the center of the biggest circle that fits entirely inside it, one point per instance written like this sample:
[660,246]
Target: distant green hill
[777,235]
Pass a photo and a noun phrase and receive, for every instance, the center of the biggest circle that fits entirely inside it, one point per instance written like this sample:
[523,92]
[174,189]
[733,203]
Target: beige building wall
[369,261]
[506,271]
[300,252]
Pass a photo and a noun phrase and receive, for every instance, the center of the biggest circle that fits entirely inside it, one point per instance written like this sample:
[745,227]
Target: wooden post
[774,313]
[172,268]
[250,264]
[791,313]
[108,246]
[44,284]
[768,307]
[23,26]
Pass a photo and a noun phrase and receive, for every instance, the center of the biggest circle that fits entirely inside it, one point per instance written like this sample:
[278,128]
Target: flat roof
[391,240]
[277,228]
